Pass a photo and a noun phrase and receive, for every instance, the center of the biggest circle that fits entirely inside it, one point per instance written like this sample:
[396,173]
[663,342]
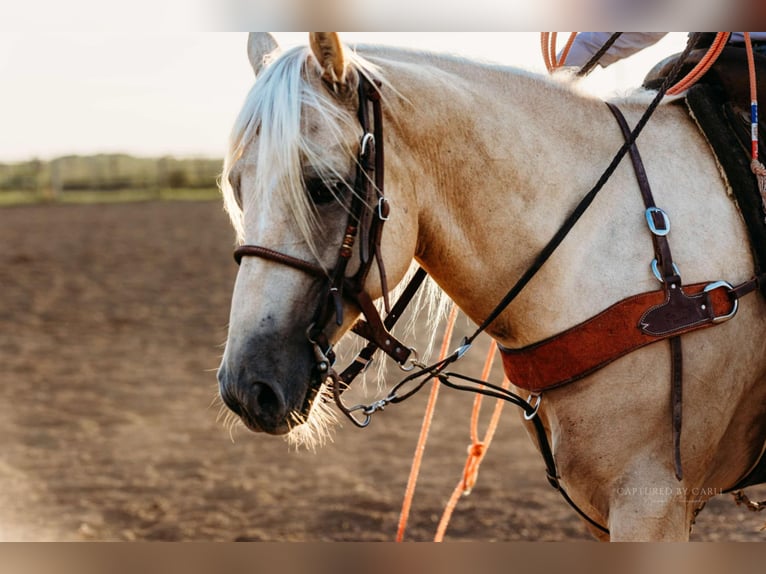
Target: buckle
[383,208]
[664,228]
[658,275]
[723,285]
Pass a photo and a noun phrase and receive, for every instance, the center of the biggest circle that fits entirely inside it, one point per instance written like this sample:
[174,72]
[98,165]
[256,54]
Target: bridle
[367,213]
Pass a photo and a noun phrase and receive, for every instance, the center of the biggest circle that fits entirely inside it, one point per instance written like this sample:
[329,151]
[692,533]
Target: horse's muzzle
[261,406]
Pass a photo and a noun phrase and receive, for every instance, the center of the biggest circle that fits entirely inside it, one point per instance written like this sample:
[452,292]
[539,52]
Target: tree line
[107,172]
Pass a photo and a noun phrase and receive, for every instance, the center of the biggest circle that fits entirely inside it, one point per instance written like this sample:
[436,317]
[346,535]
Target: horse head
[292,184]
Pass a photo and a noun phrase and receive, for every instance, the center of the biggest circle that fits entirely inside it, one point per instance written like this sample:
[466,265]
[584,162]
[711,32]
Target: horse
[483,164]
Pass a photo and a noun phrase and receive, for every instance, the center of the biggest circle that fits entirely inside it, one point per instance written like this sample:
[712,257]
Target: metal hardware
[360,423]
[414,361]
[376,406]
[535,407]
[367,139]
[656,271]
[723,285]
[650,221]
[462,349]
[382,201]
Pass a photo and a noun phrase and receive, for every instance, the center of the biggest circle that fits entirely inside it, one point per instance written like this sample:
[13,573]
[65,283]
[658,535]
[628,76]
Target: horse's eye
[321,192]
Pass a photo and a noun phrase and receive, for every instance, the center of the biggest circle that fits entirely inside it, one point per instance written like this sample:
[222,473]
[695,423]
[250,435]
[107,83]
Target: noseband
[367,213]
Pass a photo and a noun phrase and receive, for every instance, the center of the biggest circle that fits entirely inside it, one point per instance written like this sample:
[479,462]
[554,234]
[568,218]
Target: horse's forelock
[273,108]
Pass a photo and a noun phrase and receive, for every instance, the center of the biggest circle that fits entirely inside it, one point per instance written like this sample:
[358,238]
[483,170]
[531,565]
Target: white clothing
[586,44]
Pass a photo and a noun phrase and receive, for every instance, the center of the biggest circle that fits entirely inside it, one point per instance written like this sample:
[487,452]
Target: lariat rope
[552,63]
[477,450]
[424,429]
[755,165]
[548,46]
[702,67]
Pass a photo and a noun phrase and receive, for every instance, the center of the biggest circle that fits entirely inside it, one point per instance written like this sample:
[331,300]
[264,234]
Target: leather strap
[676,401]
[364,356]
[613,333]
[676,309]
[277,257]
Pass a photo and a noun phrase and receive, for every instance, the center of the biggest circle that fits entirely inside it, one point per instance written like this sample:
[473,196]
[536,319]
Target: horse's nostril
[262,407]
[265,400]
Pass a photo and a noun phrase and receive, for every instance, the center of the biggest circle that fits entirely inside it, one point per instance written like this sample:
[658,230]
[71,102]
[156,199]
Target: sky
[177,93]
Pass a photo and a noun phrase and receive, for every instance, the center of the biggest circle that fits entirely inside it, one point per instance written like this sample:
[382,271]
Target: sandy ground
[113,319]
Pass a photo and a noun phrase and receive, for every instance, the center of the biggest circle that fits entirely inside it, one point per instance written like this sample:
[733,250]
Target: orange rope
[425,427]
[544,40]
[702,66]
[552,48]
[567,48]
[548,47]
[476,451]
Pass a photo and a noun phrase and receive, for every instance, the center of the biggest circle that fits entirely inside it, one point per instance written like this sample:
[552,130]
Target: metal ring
[381,201]
[359,422]
[725,285]
[533,414]
[413,360]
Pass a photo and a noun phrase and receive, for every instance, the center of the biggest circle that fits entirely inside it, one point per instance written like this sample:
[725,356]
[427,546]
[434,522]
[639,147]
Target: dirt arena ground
[113,319]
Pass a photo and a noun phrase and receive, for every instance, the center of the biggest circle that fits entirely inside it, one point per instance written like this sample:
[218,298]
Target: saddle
[720,105]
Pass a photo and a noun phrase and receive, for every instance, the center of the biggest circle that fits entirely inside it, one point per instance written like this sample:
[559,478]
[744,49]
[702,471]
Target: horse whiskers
[314,429]
[230,420]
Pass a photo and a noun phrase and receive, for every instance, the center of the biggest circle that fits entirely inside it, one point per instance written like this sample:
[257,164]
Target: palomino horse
[483,163]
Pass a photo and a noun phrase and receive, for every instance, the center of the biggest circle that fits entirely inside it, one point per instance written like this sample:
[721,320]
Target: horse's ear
[328,51]
[259,46]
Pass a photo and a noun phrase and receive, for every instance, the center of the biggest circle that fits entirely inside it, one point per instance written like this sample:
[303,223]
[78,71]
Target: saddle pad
[725,129]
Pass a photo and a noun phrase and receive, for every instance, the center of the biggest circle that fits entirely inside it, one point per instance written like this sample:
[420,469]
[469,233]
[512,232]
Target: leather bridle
[367,214]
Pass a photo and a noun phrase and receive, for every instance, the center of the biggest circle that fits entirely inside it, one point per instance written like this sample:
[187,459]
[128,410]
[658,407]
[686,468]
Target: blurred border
[374,558]
[369,15]
[287,15]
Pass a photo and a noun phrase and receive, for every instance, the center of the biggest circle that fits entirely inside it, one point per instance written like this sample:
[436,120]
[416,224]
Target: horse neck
[485,150]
